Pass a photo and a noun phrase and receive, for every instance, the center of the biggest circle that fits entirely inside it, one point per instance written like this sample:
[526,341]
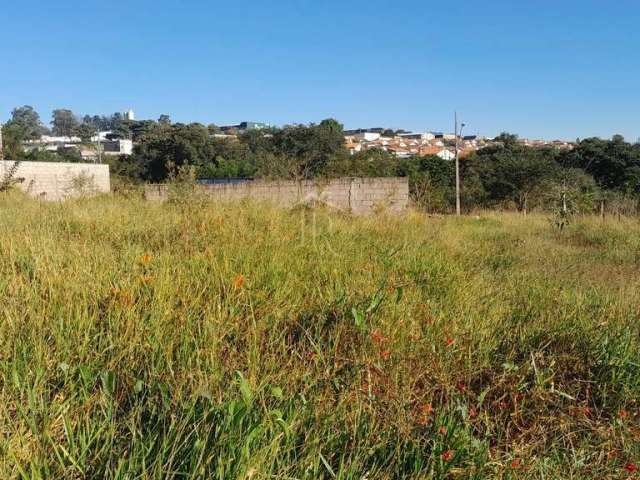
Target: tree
[508,140]
[69,154]
[100,123]
[431,181]
[12,141]
[177,145]
[570,190]
[27,123]
[164,120]
[314,145]
[615,164]
[64,122]
[368,163]
[510,171]
[85,131]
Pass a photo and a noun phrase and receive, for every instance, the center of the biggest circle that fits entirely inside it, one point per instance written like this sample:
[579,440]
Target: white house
[446,154]
[367,136]
[418,136]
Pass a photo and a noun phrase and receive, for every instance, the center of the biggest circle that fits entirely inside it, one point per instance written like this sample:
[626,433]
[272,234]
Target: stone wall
[58,180]
[358,195]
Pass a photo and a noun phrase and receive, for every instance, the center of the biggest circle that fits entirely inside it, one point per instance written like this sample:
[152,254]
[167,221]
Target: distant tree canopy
[511,171]
[64,122]
[26,123]
[505,173]
[303,151]
[614,164]
[12,138]
[85,131]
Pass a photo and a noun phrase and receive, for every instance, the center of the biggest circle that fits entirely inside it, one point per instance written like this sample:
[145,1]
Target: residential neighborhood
[405,144]
[91,137]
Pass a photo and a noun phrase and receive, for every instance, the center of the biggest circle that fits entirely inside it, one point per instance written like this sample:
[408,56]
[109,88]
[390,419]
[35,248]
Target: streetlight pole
[457,134]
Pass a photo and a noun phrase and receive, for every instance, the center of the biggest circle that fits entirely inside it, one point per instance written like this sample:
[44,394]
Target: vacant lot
[229,342]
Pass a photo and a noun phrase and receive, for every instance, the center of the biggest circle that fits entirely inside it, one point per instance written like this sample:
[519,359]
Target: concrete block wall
[59,180]
[359,195]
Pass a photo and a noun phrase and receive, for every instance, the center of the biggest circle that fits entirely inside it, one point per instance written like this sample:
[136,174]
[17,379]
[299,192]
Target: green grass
[242,341]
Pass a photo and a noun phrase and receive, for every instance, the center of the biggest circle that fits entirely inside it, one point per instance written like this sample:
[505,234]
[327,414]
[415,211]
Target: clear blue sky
[553,69]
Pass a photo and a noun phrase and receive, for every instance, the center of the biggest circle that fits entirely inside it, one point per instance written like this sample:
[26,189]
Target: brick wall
[58,180]
[359,195]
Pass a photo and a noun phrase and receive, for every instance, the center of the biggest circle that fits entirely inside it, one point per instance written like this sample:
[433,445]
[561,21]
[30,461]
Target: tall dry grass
[237,341]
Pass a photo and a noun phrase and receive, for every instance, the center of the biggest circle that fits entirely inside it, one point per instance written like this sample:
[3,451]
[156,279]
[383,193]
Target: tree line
[506,174]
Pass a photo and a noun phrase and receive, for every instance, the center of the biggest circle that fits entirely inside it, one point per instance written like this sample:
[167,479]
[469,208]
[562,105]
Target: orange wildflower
[145,259]
[447,455]
[623,414]
[449,341]
[515,464]
[238,281]
[385,355]
[426,411]
[442,430]
[377,337]
[631,467]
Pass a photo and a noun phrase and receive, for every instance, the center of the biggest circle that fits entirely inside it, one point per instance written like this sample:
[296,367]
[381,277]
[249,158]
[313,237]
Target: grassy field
[245,342]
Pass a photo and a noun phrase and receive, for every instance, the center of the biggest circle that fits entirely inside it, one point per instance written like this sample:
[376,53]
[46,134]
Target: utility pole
[98,146]
[457,134]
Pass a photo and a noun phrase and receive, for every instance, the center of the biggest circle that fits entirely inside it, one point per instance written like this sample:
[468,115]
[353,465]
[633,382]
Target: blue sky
[552,69]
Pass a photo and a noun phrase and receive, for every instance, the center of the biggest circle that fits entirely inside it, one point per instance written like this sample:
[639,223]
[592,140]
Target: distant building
[87,150]
[121,146]
[51,143]
[441,152]
[417,136]
[443,136]
[446,155]
[253,126]
[129,115]
[559,144]
[244,126]
[358,131]
[352,145]
[224,136]
[109,148]
[367,136]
